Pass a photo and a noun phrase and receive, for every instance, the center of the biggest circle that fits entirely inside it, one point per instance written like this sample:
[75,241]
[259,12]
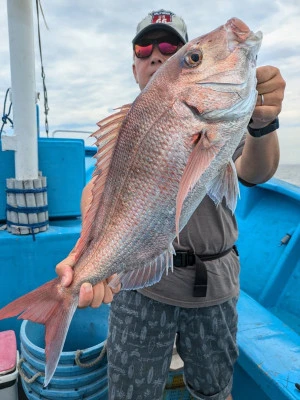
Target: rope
[29,226]
[27,210]
[23,375]
[92,363]
[35,190]
[77,360]
[5,116]
[43,75]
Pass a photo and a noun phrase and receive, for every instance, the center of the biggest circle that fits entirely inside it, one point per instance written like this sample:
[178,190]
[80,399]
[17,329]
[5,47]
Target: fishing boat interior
[269,240]
[40,223]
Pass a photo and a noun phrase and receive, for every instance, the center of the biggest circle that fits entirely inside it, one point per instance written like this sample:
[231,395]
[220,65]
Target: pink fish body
[156,161]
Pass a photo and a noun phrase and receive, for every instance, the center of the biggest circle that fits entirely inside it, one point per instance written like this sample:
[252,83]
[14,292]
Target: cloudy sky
[88,56]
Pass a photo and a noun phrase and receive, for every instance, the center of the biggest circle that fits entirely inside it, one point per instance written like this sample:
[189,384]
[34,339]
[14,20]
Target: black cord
[5,116]
[43,75]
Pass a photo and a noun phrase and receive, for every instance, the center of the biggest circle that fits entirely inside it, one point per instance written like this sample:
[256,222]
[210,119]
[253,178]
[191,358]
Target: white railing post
[27,204]
[22,65]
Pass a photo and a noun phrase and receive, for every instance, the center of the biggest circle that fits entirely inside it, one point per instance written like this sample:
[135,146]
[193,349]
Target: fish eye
[193,58]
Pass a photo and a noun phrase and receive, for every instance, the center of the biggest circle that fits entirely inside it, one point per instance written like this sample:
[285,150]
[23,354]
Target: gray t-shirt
[210,230]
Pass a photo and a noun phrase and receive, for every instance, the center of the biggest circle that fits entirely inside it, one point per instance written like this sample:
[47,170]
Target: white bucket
[9,384]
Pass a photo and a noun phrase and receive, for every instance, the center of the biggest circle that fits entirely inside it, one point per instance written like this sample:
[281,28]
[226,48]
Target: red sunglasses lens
[143,51]
[167,48]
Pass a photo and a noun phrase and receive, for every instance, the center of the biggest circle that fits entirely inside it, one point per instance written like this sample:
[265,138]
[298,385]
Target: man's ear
[134,73]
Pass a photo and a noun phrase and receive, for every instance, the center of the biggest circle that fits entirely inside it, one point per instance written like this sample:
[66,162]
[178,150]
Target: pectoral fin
[206,148]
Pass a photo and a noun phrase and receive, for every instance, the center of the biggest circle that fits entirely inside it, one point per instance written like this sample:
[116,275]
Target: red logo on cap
[161,18]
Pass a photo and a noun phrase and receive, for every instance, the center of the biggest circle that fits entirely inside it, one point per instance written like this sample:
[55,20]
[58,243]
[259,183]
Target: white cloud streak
[87,55]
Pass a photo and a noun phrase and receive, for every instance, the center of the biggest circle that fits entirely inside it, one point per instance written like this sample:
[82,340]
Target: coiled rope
[78,353]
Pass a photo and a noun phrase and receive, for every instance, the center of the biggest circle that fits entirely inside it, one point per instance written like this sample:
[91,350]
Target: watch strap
[264,131]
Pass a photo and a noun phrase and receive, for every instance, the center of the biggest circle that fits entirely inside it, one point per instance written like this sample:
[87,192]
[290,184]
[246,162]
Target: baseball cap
[162,19]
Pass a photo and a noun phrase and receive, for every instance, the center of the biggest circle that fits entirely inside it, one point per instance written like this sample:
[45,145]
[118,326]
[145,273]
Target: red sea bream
[156,161]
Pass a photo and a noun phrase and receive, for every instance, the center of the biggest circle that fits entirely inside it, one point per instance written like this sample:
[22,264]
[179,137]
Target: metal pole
[22,64]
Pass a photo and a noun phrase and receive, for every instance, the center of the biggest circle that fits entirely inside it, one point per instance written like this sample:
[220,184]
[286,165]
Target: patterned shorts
[140,345]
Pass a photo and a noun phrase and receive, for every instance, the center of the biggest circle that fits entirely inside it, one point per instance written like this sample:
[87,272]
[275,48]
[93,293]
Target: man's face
[144,68]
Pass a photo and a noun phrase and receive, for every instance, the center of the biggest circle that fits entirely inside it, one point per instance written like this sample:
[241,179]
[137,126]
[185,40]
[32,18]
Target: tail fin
[52,306]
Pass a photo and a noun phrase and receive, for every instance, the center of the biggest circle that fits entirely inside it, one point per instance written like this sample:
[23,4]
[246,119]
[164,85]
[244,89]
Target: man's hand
[89,295]
[271,85]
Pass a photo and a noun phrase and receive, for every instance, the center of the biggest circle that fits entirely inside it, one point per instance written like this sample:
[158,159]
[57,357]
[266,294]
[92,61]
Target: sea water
[289,173]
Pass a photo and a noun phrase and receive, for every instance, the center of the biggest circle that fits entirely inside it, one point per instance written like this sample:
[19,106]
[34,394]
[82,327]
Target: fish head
[215,74]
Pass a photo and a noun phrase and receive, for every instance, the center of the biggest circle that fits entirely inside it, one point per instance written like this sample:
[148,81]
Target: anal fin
[146,276]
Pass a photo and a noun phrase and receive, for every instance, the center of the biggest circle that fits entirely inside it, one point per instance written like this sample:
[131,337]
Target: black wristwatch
[264,131]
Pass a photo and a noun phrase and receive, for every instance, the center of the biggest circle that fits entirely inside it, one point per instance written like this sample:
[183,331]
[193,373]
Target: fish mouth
[241,38]
[239,34]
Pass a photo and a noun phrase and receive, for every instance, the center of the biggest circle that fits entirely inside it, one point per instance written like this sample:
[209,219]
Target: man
[198,301]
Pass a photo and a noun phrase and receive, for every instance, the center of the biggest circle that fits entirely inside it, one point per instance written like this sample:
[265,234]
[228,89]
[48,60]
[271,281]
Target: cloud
[87,54]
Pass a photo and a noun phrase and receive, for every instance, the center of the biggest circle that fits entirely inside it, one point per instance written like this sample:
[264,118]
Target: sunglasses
[167,47]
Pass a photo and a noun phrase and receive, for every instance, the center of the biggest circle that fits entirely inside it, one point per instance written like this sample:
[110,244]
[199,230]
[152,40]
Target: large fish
[156,161]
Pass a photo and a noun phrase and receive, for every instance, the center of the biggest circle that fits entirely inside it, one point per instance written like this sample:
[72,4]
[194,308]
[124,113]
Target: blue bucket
[175,388]
[77,376]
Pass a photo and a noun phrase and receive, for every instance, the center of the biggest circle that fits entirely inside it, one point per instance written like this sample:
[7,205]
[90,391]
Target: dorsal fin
[106,138]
